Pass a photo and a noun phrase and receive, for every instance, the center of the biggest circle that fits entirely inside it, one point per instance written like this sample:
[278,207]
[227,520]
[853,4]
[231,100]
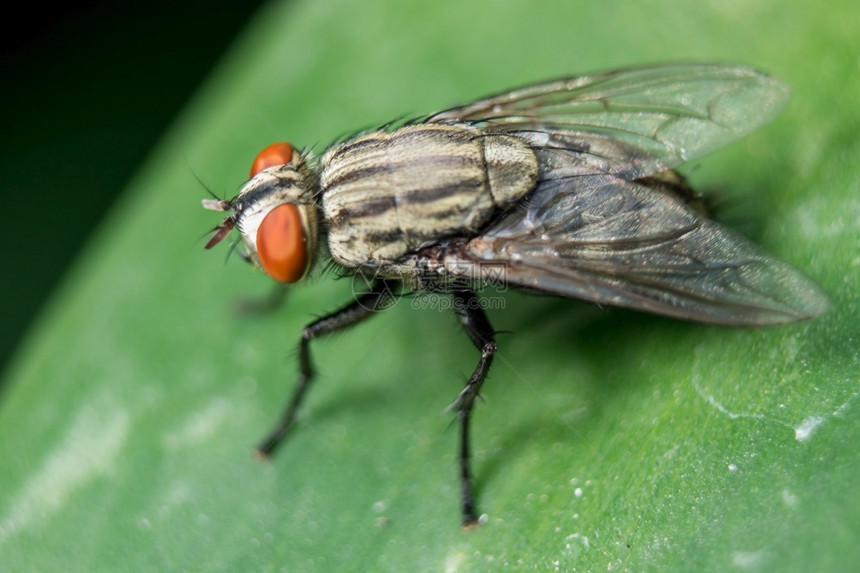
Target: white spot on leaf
[747,559]
[804,431]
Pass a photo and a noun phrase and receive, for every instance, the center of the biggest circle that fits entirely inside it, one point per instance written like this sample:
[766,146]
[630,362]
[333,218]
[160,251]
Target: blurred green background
[607,440]
[89,87]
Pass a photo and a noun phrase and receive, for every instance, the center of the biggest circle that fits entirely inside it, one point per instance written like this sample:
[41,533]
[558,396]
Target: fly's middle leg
[378,298]
[480,331]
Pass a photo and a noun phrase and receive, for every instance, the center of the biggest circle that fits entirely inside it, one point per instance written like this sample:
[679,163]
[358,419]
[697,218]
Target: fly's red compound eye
[282,245]
[279,153]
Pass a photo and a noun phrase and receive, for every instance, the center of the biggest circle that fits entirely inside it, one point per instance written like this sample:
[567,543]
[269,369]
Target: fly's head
[275,212]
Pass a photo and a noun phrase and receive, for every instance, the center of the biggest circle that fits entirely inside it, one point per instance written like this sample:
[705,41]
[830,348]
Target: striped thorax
[386,195]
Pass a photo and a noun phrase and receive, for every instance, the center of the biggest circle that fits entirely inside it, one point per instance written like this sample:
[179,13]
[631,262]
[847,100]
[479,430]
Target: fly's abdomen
[386,195]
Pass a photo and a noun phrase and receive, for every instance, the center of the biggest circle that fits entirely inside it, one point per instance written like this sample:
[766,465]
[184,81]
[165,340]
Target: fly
[567,186]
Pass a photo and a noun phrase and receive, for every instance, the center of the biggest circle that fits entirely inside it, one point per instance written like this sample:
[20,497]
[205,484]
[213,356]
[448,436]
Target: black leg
[474,320]
[378,298]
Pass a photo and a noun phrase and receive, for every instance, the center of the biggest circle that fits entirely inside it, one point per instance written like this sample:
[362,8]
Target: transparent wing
[635,122]
[616,242]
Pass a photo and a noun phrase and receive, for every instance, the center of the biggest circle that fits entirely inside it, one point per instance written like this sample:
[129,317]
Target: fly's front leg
[478,327]
[378,298]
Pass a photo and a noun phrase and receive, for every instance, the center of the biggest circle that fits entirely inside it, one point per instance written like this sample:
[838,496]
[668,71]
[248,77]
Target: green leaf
[606,439]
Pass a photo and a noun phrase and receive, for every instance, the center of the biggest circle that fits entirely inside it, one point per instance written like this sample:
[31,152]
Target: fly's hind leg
[480,331]
[378,298]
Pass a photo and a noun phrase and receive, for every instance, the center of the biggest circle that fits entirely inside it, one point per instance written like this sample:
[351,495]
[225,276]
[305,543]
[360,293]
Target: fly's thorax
[277,217]
[388,194]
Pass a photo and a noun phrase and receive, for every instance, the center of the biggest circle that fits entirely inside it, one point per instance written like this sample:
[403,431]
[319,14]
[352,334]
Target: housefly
[567,186]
